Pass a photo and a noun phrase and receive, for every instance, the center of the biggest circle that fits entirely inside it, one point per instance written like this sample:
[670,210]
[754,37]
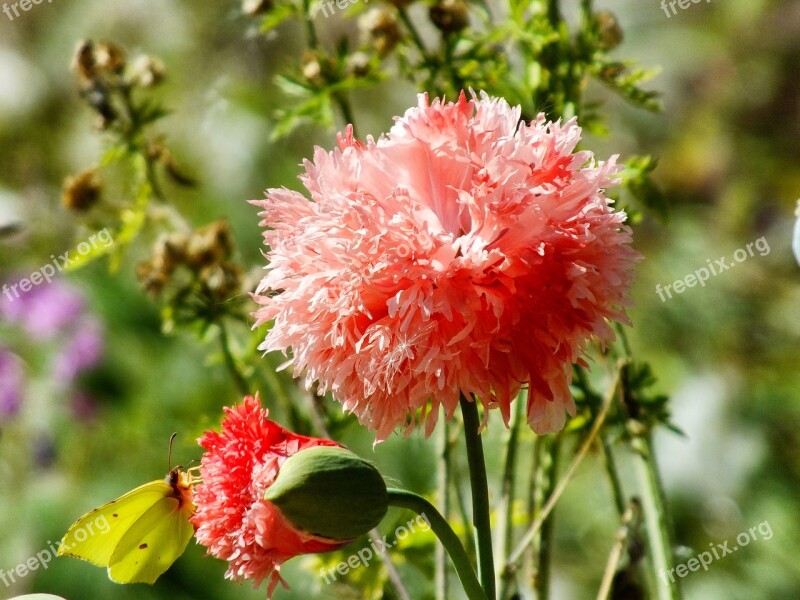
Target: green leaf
[276,16]
[113,155]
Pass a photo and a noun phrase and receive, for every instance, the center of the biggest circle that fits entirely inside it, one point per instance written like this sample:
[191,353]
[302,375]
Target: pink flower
[232,519]
[462,253]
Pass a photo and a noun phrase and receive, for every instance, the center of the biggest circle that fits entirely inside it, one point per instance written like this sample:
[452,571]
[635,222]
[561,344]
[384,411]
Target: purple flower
[11,383]
[81,352]
[44,310]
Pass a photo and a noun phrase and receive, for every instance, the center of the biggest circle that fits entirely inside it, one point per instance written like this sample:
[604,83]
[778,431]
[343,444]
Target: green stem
[480,495]
[347,111]
[595,402]
[443,501]
[311,32]
[613,475]
[230,362]
[506,527]
[446,535]
[455,426]
[449,48]
[547,531]
[656,520]
[530,535]
[415,36]
[628,529]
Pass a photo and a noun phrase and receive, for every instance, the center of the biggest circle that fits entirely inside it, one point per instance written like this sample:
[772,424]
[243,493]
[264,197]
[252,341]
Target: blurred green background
[726,353]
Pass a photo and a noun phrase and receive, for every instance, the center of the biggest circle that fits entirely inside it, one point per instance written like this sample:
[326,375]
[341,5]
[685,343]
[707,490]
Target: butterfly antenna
[169,453]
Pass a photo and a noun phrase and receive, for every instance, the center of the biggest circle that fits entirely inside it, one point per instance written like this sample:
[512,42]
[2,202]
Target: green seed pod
[330,492]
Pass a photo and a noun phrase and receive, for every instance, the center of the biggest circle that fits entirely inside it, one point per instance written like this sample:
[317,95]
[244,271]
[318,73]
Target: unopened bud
[330,492]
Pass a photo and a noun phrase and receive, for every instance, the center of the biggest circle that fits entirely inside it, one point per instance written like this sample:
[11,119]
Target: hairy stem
[447,537]
[480,495]
[506,526]
[230,361]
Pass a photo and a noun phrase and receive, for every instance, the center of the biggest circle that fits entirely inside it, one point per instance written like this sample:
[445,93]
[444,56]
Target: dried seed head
[147,71]
[222,280]
[450,16]
[358,64]
[256,7]
[82,191]
[83,62]
[167,255]
[609,30]
[170,252]
[209,245]
[110,57]
[379,27]
[151,277]
[311,67]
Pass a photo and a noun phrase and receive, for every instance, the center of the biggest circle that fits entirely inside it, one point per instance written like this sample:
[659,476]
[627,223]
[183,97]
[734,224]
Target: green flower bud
[330,492]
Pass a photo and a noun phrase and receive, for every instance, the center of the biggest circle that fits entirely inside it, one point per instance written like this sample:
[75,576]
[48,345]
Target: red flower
[233,520]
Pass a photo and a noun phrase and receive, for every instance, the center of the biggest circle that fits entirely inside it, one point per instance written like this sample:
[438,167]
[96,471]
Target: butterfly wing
[153,542]
[95,535]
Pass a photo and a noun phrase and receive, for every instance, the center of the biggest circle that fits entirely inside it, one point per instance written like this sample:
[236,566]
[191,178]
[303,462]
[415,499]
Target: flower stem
[656,520]
[628,529]
[444,501]
[530,535]
[480,495]
[347,111]
[506,526]
[546,533]
[230,361]
[446,535]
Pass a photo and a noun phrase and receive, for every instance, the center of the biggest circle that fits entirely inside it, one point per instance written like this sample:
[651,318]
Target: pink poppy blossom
[233,520]
[462,253]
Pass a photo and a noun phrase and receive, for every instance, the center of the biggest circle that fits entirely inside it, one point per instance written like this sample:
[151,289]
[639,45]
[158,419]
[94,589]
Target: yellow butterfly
[140,534]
